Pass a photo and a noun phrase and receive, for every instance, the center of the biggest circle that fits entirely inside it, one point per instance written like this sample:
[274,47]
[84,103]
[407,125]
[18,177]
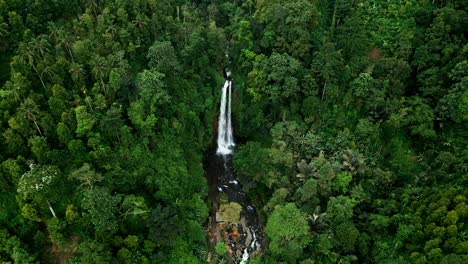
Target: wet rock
[240,231]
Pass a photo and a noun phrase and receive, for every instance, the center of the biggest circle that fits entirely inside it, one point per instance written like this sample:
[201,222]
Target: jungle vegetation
[353,116]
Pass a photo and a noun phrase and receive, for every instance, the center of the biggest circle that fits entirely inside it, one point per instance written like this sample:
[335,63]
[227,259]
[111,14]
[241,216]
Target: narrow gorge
[233,219]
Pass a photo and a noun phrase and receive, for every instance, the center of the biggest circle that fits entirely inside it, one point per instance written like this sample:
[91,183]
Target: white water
[230,137]
[246,255]
[225,135]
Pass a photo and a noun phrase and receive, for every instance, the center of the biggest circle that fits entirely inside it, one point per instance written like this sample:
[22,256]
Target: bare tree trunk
[40,78]
[178,14]
[323,91]
[103,86]
[51,209]
[332,27]
[37,127]
[71,55]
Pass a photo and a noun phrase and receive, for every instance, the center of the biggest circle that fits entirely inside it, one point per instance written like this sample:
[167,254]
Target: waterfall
[225,134]
[250,243]
[230,137]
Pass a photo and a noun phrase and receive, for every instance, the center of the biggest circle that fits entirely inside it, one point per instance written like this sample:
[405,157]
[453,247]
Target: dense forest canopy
[353,114]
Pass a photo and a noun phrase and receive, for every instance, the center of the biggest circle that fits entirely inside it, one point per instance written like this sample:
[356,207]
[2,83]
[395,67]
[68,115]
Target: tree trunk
[40,78]
[323,91]
[37,126]
[332,27]
[71,55]
[51,209]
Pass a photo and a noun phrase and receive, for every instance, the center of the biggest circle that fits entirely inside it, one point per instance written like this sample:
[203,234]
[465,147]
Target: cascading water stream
[230,137]
[225,134]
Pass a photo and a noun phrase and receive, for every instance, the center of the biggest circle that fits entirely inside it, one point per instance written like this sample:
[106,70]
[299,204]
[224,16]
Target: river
[224,188]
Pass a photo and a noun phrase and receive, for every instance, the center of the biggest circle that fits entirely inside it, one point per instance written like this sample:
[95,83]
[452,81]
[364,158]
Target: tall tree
[40,186]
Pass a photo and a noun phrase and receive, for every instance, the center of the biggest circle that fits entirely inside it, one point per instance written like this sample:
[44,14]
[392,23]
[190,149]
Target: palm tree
[53,29]
[112,30]
[77,72]
[306,171]
[99,70]
[30,111]
[353,162]
[3,29]
[3,34]
[93,5]
[33,51]
[64,40]
[317,221]
[140,21]
[17,86]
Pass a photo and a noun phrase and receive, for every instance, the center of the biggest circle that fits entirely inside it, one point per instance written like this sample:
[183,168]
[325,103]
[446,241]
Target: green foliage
[85,121]
[56,230]
[282,72]
[230,213]
[278,198]
[162,58]
[92,251]
[354,115]
[221,248]
[38,187]
[346,235]
[87,176]
[416,115]
[251,162]
[342,181]
[12,249]
[289,232]
[289,25]
[102,209]
[340,210]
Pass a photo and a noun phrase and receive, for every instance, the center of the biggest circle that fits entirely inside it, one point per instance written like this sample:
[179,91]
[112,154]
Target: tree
[327,67]
[57,103]
[87,176]
[63,133]
[162,57]
[14,249]
[40,186]
[288,25]
[230,213]
[281,77]
[152,96]
[288,231]
[251,162]
[339,210]
[31,54]
[161,222]
[77,73]
[61,38]
[39,148]
[278,198]
[111,123]
[85,121]
[17,87]
[319,186]
[92,251]
[102,209]
[134,209]
[346,235]
[243,45]
[30,110]
[417,116]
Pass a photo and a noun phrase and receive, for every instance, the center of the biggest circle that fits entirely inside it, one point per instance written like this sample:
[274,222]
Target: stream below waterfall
[247,241]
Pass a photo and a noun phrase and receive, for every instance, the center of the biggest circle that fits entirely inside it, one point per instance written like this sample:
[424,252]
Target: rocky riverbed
[233,219]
